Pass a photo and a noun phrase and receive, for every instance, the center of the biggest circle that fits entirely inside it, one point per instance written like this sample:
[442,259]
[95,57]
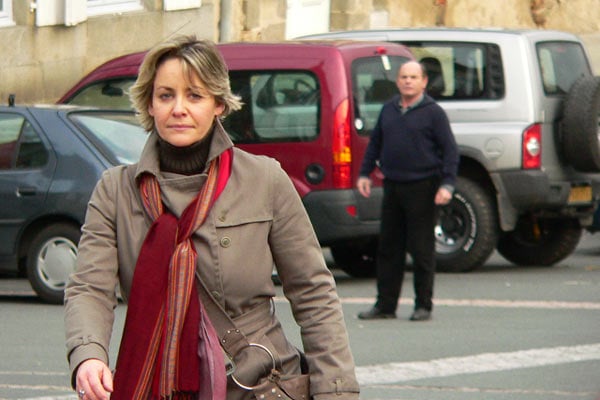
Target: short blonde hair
[200,57]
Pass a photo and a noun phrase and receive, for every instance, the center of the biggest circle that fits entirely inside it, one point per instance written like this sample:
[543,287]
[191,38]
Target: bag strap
[232,339]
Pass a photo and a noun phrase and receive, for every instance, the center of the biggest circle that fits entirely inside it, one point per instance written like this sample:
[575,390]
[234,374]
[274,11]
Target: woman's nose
[179,105]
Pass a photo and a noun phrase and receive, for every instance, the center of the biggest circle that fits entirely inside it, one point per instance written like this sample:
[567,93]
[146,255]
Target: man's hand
[443,197]
[94,380]
[364,186]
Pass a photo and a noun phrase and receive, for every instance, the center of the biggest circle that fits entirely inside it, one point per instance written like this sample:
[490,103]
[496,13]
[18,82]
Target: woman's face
[183,111]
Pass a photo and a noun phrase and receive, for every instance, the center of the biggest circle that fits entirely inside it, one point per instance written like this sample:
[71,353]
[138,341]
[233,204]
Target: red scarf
[166,328]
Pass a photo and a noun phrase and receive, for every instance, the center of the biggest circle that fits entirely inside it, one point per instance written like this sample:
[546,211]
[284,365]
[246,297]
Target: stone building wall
[39,64]
[578,16]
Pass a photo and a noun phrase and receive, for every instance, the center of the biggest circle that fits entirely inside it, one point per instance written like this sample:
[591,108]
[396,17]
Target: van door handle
[26,191]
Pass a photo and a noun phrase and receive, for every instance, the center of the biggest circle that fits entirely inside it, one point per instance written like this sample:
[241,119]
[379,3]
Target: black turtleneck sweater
[188,160]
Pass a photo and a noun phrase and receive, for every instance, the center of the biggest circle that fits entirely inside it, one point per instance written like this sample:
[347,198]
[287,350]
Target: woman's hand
[94,380]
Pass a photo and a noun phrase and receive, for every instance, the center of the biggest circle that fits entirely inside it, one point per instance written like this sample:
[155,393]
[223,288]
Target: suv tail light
[342,155]
[532,147]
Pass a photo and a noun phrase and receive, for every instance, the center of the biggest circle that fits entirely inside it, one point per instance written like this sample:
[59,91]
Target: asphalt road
[502,332]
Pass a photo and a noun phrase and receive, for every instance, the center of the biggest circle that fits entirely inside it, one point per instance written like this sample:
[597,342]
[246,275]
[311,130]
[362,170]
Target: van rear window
[278,106]
[374,82]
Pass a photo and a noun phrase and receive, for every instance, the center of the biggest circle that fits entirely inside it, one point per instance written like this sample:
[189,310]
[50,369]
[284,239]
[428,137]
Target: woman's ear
[219,109]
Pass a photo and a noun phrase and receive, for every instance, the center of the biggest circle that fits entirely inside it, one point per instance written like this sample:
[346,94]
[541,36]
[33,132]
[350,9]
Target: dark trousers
[408,219]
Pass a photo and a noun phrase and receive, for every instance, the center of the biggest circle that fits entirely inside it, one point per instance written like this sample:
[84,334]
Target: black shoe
[375,313]
[421,314]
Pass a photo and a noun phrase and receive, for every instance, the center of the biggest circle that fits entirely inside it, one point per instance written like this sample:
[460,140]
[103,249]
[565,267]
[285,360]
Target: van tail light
[342,155]
[532,147]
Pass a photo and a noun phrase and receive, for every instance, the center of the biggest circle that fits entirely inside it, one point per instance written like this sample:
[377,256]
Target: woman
[197,210]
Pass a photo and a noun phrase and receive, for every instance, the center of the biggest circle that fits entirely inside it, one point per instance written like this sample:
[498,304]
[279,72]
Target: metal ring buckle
[260,346]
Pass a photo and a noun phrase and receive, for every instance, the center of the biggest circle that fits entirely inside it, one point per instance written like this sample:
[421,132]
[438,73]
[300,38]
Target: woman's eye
[165,96]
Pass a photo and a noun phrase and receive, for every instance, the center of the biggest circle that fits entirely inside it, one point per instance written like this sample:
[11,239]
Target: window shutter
[171,5]
[59,12]
[75,12]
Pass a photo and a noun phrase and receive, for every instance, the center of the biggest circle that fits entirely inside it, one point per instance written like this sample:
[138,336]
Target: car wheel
[580,131]
[541,241]
[467,229]
[356,258]
[51,259]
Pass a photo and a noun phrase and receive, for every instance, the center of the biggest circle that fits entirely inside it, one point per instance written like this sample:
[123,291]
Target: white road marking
[536,304]
[390,373]
[486,362]
[504,391]
[398,372]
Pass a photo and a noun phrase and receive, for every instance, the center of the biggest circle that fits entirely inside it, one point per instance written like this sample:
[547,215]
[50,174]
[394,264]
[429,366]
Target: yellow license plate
[580,194]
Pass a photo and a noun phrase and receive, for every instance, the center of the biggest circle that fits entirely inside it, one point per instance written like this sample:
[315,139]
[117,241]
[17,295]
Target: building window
[98,7]
[6,13]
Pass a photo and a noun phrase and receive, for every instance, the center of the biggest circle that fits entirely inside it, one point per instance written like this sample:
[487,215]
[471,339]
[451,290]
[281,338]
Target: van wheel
[51,259]
[356,258]
[580,131]
[467,229]
[542,241]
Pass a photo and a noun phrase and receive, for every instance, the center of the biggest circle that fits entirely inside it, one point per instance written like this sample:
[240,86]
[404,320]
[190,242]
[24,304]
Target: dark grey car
[50,160]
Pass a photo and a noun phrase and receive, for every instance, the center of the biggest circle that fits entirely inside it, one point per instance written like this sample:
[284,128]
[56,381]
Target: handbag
[274,386]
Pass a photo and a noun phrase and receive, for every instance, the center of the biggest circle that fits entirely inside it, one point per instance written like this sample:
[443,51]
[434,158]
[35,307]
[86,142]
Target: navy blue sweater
[412,146]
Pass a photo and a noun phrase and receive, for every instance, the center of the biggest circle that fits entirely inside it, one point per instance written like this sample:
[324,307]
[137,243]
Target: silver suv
[524,106]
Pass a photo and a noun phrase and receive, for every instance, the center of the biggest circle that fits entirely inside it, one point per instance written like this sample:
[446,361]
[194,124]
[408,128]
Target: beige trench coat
[257,222]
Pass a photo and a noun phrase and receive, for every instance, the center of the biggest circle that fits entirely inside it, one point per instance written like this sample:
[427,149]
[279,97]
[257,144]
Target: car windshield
[117,135]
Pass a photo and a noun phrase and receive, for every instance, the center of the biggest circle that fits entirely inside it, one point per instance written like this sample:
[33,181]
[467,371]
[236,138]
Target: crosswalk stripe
[486,362]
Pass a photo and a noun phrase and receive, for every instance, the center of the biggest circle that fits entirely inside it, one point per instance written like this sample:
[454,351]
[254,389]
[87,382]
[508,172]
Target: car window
[561,64]
[461,71]
[117,135]
[373,83]
[20,145]
[32,152]
[278,106]
[109,94]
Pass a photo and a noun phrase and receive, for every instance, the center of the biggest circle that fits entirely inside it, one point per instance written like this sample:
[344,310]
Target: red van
[311,106]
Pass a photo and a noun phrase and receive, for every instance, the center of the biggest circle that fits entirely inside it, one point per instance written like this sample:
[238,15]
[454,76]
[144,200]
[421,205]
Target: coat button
[225,241]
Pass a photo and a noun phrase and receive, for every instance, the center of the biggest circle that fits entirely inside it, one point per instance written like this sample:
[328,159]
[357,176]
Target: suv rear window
[278,106]
[561,64]
[459,71]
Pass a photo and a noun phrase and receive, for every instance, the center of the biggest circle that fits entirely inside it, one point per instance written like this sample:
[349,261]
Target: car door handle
[26,191]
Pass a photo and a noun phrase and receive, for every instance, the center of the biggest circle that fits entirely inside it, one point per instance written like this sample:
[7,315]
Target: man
[414,146]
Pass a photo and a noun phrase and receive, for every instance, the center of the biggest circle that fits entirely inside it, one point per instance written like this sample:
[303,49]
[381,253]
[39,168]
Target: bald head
[412,65]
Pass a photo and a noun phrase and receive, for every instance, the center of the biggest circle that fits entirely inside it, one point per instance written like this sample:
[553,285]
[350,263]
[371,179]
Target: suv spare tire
[581,125]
